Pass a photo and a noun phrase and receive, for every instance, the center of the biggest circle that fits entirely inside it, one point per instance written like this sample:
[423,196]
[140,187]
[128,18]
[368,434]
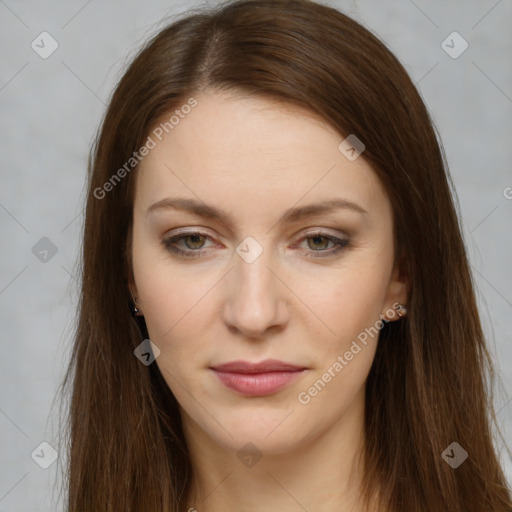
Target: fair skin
[254,160]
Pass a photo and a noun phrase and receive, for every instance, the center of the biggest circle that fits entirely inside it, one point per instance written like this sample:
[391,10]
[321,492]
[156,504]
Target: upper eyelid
[307,233]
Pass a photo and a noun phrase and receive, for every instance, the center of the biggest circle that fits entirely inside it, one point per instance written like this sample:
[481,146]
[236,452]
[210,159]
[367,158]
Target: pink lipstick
[257,379]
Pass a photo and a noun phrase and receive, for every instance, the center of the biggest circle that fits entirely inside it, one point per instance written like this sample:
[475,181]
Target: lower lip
[257,384]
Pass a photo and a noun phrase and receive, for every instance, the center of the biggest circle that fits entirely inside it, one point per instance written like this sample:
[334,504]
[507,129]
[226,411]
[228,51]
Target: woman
[277,310]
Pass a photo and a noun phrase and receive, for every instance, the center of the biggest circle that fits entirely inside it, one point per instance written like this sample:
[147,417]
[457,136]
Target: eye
[319,240]
[195,240]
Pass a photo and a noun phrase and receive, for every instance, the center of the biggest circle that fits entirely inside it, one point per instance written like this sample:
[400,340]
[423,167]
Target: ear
[130,278]
[128,266]
[398,290]
[135,302]
[132,288]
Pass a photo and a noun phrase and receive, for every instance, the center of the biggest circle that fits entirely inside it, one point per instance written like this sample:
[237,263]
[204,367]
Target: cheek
[343,303]
[169,293]
[336,390]
[351,307]
[175,310]
[174,303]
[181,310]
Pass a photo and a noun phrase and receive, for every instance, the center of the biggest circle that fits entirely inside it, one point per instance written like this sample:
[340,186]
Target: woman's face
[260,277]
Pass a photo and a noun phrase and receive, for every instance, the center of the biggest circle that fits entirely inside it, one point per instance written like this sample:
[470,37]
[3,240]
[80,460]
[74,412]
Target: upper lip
[266,366]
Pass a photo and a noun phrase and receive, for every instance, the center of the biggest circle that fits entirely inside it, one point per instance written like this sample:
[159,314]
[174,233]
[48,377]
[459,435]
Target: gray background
[50,109]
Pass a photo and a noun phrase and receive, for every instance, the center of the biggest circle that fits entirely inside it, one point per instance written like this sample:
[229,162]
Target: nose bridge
[254,303]
[253,277]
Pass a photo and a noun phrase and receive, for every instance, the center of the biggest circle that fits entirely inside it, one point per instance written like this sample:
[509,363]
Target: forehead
[250,154]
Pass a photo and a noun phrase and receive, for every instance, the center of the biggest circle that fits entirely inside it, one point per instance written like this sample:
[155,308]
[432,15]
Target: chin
[272,432]
[249,439]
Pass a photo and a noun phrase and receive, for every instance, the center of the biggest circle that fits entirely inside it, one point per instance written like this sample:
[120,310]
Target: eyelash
[170,241]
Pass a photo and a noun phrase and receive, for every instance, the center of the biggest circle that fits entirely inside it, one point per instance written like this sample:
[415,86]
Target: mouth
[257,379]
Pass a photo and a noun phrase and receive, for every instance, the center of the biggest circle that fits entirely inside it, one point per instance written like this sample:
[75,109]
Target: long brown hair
[427,387]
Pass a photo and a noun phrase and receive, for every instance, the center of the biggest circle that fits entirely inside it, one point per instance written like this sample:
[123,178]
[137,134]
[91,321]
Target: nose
[256,299]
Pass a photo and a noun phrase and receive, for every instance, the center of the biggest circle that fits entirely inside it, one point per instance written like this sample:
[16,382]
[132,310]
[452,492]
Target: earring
[135,309]
[401,310]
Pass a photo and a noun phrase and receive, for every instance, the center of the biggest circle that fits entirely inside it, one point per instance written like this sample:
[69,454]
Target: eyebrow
[294,214]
